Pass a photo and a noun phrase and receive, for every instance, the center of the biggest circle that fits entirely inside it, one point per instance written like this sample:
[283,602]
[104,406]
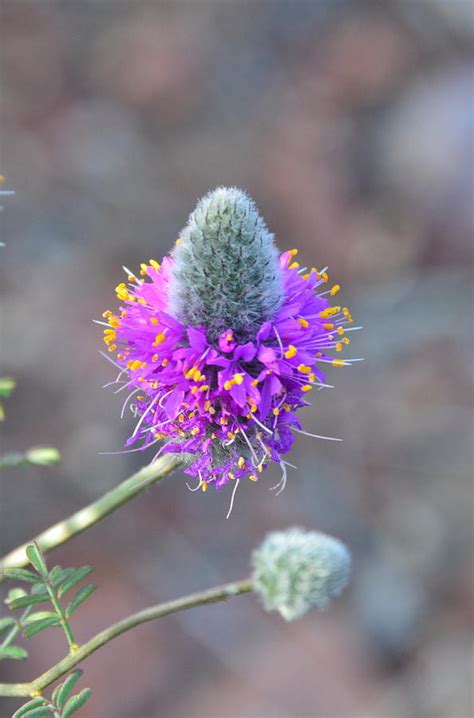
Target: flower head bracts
[225,401]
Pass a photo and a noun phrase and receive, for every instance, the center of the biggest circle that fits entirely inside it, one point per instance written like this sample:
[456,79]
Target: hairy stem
[212,595]
[95,512]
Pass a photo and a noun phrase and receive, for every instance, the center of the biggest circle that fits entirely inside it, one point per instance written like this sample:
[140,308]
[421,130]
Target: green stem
[212,595]
[95,512]
[15,630]
[62,617]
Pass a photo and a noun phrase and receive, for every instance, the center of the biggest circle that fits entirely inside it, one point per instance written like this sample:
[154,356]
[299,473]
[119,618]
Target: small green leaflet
[39,626]
[21,574]
[15,653]
[62,692]
[6,624]
[24,601]
[36,558]
[76,702]
[30,709]
[77,575]
[80,597]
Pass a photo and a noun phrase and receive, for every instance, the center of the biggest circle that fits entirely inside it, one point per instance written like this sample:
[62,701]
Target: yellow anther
[347,315]
[339,347]
[134,364]
[107,314]
[340,331]
[252,477]
[329,312]
[231,475]
[212,410]
[228,385]
[287,407]
[142,301]
[154,264]
[204,486]
[165,362]
[325,277]
[304,369]
[306,387]
[291,352]
[304,322]
[207,405]
[194,389]
[204,387]
[294,265]
[112,347]
[293,252]
[229,336]
[195,431]
[346,340]
[328,327]
[311,377]
[306,276]
[255,382]
[335,289]
[181,418]
[230,435]
[238,378]
[155,358]
[241,462]
[143,268]
[259,468]
[276,411]
[114,321]
[191,372]
[159,339]
[154,320]
[338,362]
[179,241]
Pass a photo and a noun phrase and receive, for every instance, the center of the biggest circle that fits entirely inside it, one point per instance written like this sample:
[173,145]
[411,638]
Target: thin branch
[95,512]
[212,595]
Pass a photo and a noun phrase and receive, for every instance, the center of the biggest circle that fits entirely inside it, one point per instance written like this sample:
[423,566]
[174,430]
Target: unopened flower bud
[226,272]
[295,570]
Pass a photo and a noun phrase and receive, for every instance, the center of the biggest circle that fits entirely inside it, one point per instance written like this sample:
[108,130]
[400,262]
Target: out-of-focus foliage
[350,123]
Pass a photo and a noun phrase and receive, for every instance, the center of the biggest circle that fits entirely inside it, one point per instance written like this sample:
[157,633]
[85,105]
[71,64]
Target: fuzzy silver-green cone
[226,273]
[295,570]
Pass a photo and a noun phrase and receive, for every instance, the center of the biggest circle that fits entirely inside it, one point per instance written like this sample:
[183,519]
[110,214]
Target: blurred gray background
[351,124]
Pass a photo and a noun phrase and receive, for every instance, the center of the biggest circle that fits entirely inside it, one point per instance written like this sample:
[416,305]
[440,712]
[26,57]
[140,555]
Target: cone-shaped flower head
[295,570]
[226,272]
[219,345]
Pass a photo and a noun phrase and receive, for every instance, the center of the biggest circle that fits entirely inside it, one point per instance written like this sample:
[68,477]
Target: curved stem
[95,512]
[212,595]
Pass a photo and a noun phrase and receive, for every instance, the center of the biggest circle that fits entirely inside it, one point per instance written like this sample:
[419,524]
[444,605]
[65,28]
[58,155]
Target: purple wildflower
[224,397]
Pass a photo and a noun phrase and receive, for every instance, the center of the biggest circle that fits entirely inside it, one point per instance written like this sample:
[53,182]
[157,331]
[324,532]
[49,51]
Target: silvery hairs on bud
[295,570]
[226,269]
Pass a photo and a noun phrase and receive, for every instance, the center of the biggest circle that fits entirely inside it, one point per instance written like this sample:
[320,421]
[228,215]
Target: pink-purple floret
[228,405]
